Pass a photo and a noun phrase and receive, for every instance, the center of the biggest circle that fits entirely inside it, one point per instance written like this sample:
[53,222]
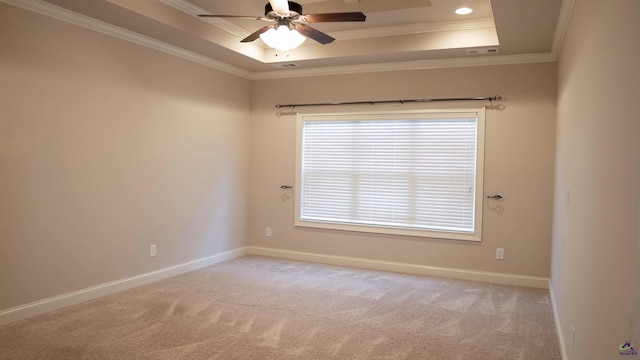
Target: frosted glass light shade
[283,38]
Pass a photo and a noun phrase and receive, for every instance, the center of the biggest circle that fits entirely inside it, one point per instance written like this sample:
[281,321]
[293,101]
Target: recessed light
[464,11]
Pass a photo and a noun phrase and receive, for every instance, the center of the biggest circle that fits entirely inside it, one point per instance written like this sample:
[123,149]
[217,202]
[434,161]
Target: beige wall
[597,187]
[107,147]
[519,165]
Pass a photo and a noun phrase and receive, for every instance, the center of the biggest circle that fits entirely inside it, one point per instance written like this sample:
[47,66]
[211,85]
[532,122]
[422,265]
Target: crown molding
[410,29]
[408,65]
[191,9]
[87,22]
[564,19]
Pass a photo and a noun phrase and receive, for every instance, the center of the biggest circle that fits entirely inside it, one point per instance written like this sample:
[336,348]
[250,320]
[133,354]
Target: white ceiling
[396,34]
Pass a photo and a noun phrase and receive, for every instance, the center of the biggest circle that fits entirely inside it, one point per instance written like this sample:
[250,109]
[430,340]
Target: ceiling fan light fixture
[464,11]
[283,38]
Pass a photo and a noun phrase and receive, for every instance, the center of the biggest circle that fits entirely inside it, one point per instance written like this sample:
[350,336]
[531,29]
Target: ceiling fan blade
[256,34]
[335,17]
[314,34]
[234,17]
[281,7]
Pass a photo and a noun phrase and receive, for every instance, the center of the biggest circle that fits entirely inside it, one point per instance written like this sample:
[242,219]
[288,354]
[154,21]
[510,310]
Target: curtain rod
[484,98]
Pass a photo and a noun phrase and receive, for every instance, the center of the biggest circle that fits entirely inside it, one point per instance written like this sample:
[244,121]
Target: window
[405,173]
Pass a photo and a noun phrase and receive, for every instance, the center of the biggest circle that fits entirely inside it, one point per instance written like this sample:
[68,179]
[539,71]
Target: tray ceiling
[398,33]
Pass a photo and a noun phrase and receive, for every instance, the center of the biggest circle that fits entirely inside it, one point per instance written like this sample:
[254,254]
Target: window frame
[478,113]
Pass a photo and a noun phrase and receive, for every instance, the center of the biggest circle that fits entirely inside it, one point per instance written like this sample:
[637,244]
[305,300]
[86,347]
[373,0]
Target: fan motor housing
[294,7]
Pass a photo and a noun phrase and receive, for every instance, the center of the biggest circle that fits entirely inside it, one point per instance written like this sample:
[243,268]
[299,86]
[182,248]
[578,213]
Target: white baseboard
[556,318]
[64,300]
[461,274]
[39,307]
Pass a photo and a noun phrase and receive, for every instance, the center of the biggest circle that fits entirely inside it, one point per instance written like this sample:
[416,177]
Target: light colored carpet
[262,308]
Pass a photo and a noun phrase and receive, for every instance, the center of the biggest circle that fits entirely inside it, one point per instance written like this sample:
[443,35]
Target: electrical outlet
[152,250]
[500,253]
[268,232]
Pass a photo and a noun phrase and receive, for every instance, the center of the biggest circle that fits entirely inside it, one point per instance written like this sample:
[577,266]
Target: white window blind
[401,173]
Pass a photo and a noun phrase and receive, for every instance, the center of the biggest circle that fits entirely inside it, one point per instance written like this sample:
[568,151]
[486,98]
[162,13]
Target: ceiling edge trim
[191,9]
[566,10]
[87,22]
[413,29]
[408,65]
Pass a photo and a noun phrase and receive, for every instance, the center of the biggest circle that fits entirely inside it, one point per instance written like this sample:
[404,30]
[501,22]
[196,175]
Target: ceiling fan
[287,15]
